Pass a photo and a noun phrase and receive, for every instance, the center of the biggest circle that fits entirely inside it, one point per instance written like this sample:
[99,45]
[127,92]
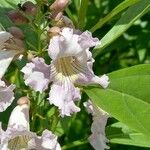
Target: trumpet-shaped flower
[18,135]
[71,65]
[97,138]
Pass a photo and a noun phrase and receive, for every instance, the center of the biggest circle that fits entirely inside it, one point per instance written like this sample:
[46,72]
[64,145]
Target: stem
[55,120]
[39,39]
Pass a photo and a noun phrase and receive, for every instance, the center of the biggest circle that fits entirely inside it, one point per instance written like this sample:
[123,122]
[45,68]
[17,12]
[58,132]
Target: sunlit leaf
[126,98]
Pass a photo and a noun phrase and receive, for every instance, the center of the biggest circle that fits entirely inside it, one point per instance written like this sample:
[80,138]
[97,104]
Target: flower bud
[29,8]
[30,56]
[20,114]
[64,22]
[16,17]
[16,32]
[23,100]
[53,31]
[59,5]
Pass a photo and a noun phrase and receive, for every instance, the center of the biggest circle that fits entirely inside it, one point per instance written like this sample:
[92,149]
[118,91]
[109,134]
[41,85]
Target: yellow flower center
[18,143]
[67,67]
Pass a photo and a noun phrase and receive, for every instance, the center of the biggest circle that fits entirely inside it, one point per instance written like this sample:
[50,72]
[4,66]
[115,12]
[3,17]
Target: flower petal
[88,77]
[46,141]
[6,96]
[103,80]
[63,97]
[22,119]
[8,52]
[37,74]
[86,40]
[64,45]
[97,139]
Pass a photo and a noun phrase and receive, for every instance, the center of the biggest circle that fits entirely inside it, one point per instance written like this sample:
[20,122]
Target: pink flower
[71,65]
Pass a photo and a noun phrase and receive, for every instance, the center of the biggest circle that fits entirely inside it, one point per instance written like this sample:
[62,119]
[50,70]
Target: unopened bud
[16,17]
[64,22]
[23,100]
[30,8]
[53,31]
[30,56]
[59,5]
[16,32]
[58,17]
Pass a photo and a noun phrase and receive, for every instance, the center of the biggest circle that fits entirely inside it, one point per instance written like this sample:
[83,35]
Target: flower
[71,65]
[97,138]
[18,135]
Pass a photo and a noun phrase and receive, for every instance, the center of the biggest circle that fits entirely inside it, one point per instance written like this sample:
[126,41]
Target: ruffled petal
[64,45]
[37,74]
[88,77]
[86,40]
[103,80]
[6,95]
[45,142]
[9,47]
[63,97]
[97,139]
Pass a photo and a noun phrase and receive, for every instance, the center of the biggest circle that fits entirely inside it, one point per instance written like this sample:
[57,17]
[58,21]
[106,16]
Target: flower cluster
[69,69]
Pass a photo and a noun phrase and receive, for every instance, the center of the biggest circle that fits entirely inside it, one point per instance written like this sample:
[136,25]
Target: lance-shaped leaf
[127,19]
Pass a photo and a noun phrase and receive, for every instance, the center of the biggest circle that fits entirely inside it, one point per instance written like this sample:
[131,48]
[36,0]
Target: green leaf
[82,13]
[127,98]
[113,13]
[128,18]
[143,69]
[133,81]
[126,108]
[121,134]
[136,139]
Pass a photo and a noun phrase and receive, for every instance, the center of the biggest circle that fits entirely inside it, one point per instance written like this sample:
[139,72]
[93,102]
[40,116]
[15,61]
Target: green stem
[55,120]
[122,6]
